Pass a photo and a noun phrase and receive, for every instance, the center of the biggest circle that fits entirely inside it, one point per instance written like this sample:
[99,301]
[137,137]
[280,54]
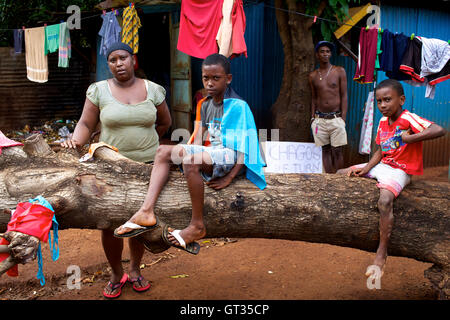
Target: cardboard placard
[292,157]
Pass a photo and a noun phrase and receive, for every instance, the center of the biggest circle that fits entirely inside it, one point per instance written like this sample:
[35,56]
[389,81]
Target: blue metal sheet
[257,78]
[248,72]
[357,95]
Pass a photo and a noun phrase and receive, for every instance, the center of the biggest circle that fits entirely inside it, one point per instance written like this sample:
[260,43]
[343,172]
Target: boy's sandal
[115,286]
[139,281]
[136,229]
[192,247]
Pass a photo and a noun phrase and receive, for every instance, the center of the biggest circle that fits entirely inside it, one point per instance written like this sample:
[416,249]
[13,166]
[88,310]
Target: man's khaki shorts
[329,131]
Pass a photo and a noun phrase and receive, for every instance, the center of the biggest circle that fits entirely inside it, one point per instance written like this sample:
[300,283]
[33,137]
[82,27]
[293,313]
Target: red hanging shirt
[199,24]
[238,21]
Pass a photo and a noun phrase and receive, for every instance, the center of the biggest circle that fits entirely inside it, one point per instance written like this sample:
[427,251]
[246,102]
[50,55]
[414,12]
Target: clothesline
[253,3]
[311,16]
[93,16]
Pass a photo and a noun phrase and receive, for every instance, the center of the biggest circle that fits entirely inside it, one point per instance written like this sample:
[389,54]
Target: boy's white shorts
[392,179]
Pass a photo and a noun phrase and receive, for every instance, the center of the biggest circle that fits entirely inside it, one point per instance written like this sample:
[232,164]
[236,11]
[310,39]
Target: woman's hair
[219,59]
[393,84]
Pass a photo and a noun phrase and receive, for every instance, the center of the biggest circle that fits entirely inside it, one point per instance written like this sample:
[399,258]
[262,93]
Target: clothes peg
[315,18]
[45,24]
[367,28]
[104,12]
[23,28]
[412,36]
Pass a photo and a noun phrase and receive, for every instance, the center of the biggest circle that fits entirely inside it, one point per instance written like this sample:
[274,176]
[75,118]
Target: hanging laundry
[435,55]
[239,23]
[225,30]
[367,126]
[130,25]
[51,38]
[18,40]
[367,52]
[109,31]
[387,51]
[379,51]
[411,62]
[6,142]
[442,75]
[65,46]
[393,47]
[35,57]
[427,65]
[199,23]
[435,60]
[412,65]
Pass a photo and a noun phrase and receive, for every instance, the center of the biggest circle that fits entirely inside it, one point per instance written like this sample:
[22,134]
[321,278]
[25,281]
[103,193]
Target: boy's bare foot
[376,270]
[142,218]
[189,234]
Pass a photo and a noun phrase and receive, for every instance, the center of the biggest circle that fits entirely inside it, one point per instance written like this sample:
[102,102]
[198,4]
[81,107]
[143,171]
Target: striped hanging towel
[35,58]
[65,47]
[131,24]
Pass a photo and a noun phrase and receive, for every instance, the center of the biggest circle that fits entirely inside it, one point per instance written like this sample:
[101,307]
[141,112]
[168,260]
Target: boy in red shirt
[398,155]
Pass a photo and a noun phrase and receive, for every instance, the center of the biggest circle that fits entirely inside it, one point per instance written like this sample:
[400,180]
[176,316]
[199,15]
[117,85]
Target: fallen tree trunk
[320,208]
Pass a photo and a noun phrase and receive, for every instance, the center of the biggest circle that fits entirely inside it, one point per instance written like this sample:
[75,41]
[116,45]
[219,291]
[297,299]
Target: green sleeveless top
[128,127]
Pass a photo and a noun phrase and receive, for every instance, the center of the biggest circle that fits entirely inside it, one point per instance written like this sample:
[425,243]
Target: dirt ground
[225,269]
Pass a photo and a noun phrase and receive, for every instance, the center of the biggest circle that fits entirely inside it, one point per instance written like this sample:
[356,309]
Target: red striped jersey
[396,153]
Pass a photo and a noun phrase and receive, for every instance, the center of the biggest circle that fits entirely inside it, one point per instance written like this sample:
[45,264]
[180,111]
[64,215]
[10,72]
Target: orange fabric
[198,119]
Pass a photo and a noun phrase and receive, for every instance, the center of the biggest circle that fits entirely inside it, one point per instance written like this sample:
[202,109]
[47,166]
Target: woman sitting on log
[133,116]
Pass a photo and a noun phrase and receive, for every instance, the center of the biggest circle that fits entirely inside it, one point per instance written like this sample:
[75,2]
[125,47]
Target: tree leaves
[33,13]
[335,10]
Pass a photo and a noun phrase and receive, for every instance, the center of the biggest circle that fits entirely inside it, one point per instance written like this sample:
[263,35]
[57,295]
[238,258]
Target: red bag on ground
[29,218]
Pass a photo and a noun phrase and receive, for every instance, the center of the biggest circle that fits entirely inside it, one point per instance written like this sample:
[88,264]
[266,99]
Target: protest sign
[292,157]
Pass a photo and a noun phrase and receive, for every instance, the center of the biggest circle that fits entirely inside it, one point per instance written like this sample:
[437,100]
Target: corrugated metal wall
[248,72]
[25,102]
[357,96]
[257,78]
[429,24]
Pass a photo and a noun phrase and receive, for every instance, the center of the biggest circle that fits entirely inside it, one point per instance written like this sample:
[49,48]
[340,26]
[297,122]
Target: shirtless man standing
[329,108]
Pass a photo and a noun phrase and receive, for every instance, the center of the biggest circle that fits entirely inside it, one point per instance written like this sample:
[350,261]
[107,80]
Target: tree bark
[323,208]
[291,112]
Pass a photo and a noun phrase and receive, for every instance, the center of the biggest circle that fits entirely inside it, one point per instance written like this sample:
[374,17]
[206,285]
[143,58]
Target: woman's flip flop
[115,286]
[139,281]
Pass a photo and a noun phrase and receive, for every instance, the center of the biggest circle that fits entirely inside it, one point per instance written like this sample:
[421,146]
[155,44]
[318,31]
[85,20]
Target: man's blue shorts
[223,159]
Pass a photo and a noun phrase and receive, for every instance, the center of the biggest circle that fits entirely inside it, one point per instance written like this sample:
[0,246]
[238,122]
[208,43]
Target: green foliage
[33,13]
[334,9]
